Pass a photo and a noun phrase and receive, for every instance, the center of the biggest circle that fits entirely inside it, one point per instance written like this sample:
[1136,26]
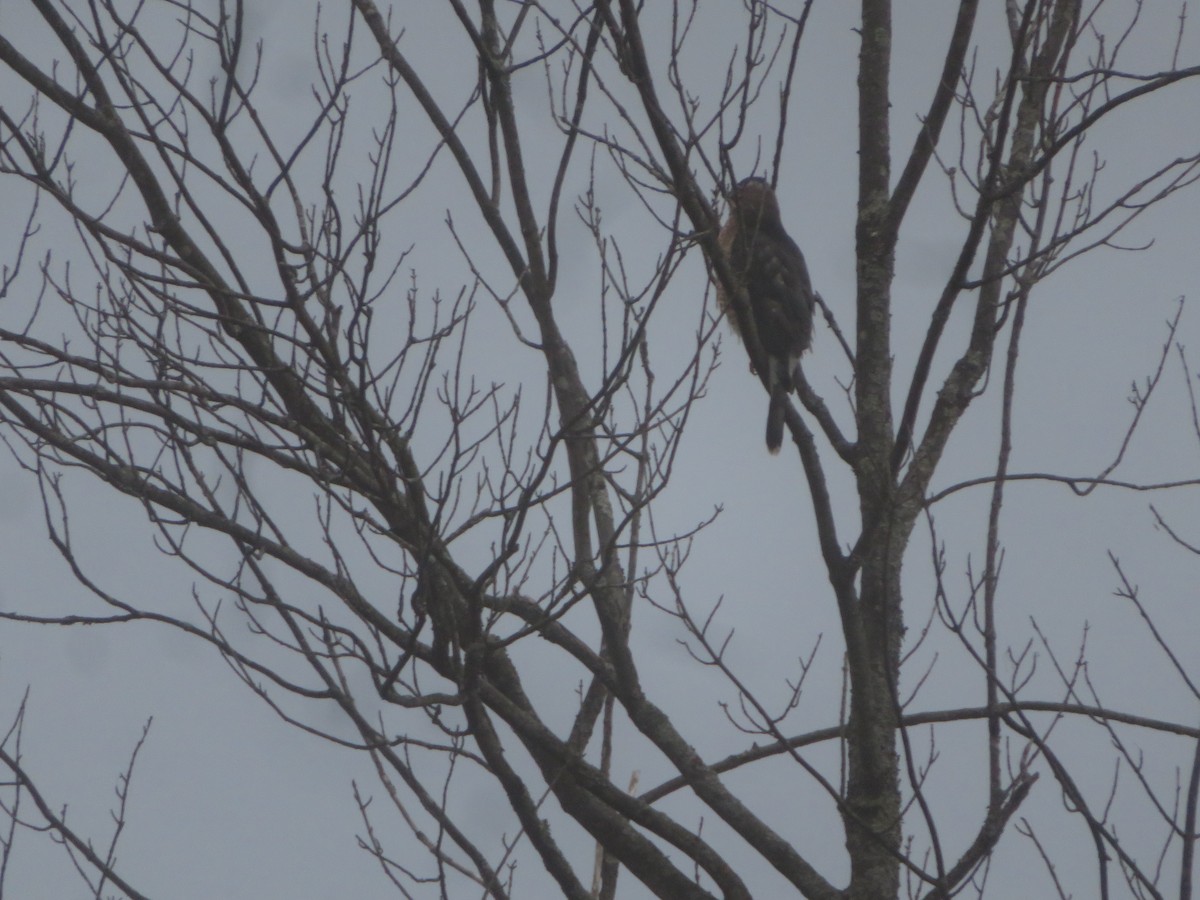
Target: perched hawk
[771,266]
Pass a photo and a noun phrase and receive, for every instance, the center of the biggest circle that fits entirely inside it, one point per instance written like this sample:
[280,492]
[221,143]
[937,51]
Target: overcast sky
[230,801]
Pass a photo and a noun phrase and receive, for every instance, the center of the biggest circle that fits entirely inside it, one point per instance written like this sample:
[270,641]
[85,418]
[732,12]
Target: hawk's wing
[780,294]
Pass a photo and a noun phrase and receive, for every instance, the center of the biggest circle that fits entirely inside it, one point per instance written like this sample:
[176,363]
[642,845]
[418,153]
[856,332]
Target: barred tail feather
[775,417]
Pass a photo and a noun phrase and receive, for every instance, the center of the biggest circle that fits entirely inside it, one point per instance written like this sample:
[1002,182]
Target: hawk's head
[753,201]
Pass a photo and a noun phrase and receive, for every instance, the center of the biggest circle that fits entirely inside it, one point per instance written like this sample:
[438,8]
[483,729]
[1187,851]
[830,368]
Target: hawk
[767,262]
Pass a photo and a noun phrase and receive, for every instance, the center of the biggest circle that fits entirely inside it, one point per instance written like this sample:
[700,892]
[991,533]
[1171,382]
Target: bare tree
[447,509]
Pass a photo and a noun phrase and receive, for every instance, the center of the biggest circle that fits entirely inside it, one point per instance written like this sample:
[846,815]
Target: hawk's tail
[779,394]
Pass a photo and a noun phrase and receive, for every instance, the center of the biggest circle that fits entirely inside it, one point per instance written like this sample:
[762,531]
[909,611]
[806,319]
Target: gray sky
[229,801]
